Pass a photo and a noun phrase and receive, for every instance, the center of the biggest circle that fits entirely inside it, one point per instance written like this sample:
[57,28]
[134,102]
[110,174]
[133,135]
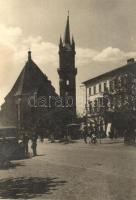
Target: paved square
[75,171]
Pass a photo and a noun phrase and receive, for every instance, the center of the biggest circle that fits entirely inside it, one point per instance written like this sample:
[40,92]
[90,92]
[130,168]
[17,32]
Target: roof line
[108,72]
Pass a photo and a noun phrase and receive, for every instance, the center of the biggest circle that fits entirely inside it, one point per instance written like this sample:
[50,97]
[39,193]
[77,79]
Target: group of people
[85,135]
[25,141]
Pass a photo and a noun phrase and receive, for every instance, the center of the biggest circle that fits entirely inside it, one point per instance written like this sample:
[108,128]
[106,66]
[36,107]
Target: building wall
[109,105]
[123,84]
[112,111]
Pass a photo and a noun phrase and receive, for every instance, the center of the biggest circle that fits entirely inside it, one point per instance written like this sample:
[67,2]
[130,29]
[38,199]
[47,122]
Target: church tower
[67,71]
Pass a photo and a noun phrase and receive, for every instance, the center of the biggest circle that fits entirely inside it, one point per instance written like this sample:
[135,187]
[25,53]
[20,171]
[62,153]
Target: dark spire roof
[61,43]
[73,39]
[30,80]
[29,55]
[67,32]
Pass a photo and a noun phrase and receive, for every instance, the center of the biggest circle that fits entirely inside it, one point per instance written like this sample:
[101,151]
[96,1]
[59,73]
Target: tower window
[67,82]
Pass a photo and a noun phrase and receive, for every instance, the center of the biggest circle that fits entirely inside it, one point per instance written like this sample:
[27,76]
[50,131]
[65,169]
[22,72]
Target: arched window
[67,82]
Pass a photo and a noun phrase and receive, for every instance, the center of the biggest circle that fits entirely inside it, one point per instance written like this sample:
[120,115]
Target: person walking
[85,134]
[93,139]
[34,144]
[25,143]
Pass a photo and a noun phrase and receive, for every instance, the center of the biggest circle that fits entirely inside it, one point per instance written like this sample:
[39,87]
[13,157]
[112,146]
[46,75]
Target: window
[94,88]
[101,101]
[116,83]
[119,82]
[90,106]
[100,88]
[67,82]
[123,81]
[90,91]
[111,86]
[95,103]
[105,86]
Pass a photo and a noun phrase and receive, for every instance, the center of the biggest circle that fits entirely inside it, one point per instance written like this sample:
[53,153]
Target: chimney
[130,61]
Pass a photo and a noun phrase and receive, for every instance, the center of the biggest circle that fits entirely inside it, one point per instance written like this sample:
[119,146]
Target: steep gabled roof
[30,80]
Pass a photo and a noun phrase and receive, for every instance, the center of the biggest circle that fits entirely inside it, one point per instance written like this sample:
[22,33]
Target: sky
[104,33]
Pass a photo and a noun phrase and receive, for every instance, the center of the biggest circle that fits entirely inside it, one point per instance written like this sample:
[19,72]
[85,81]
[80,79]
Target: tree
[57,120]
[122,101]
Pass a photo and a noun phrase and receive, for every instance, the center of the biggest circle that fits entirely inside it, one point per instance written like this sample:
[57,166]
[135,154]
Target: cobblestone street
[75,171]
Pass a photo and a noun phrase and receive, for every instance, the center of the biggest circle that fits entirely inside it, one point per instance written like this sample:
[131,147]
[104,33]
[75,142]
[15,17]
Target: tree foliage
[56,121]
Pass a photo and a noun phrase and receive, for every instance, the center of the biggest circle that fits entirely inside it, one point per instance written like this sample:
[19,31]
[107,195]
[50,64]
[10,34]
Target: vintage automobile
[10,147]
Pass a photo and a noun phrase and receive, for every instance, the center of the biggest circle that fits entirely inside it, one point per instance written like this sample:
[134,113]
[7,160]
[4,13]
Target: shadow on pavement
[67,142]
[5,165]
[14,165]
[26,188]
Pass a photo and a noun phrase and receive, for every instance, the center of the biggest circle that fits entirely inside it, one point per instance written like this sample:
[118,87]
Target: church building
[33,95]
[28,101]
[67,71]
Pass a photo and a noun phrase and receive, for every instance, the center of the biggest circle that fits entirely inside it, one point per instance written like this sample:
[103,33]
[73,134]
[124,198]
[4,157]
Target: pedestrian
[34,144]
[93,139]
[52,138]
[25,143]
[85,134]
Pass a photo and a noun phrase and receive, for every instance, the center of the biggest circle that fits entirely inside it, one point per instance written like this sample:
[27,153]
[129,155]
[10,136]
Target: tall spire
[60,43]
[73,41]
[67,32]
[29,55]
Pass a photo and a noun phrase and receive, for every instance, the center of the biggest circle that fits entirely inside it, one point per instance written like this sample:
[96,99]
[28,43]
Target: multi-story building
[111,97]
